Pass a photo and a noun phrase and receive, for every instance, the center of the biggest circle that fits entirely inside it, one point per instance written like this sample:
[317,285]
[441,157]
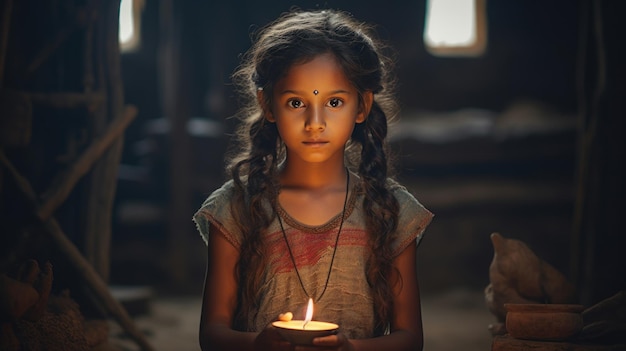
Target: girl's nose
[315,119]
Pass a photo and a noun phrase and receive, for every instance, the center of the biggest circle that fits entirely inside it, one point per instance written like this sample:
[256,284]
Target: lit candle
[302,332]
[309,313]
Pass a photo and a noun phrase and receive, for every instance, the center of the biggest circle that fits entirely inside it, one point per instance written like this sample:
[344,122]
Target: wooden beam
[65,181]
[68,100]
[83,16]
[16,118]
[82,266]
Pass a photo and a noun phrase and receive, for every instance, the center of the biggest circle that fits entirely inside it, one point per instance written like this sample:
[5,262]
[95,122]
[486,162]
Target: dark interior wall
[532,53]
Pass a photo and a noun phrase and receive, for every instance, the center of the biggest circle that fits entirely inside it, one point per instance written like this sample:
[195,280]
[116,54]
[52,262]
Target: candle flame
[309,313]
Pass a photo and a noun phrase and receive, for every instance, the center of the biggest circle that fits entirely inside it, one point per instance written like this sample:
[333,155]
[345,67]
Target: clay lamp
[302,332]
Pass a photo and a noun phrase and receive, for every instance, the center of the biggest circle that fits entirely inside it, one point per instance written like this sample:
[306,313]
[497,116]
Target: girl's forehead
[320,73]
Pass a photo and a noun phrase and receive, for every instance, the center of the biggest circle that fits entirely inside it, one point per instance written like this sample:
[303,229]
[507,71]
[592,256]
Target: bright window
[129,30]
[455,27]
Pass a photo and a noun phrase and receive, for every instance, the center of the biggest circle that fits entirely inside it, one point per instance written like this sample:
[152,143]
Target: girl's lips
[315,142]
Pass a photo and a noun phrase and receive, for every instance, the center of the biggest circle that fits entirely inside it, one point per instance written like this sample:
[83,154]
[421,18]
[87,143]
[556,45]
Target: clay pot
[552,322]
[294,332]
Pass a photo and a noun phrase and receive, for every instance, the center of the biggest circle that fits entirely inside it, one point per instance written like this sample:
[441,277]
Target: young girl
[310,211]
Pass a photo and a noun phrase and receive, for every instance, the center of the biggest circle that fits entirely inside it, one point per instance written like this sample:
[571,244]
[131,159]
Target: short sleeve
[216,210]
[412,220]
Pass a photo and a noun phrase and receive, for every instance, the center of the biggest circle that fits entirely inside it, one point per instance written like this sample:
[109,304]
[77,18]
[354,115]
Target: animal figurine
[517,275]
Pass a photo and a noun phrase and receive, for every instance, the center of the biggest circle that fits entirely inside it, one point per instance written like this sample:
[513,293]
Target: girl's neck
[313,195]
[313,177]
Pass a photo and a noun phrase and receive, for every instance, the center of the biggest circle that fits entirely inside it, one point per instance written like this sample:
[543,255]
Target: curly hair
[297,37]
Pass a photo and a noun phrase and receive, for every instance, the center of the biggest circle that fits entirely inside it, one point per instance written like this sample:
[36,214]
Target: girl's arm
[220,300]
[406,324]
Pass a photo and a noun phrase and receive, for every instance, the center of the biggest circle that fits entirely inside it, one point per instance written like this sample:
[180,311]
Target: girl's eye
[335,102]
[294,103]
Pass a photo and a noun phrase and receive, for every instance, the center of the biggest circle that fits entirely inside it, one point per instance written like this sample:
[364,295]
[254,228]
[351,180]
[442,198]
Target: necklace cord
[332,260]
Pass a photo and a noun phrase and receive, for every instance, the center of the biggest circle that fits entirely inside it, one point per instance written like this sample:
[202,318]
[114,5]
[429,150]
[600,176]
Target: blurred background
[487,141]
[516,128]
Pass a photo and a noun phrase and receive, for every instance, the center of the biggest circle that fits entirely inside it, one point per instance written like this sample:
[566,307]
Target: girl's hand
[270,340]
[338,342]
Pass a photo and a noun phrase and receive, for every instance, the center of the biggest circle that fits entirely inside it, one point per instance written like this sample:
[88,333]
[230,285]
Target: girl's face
[315,108]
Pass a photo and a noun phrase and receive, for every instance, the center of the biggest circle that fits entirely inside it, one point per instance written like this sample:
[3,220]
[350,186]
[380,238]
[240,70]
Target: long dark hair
[297,37]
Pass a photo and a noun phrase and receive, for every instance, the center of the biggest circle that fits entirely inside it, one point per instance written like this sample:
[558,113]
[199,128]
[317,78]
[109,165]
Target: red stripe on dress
[308,249]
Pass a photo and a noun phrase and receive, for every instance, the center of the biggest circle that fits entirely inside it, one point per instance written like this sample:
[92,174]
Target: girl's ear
[267,112]
[367,99]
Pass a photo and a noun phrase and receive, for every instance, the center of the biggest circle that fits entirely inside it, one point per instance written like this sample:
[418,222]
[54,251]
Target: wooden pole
[176,109]
[4,38]
[102,65]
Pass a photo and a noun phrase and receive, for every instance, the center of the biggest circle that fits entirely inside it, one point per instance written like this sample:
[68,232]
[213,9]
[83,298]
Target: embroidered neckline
[334,222]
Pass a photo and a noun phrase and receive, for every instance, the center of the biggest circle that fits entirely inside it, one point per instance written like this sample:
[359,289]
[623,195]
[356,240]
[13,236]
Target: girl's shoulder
[216,210]
[225,191]
[411,209]
[413,217]
[399,191]
[402,194]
